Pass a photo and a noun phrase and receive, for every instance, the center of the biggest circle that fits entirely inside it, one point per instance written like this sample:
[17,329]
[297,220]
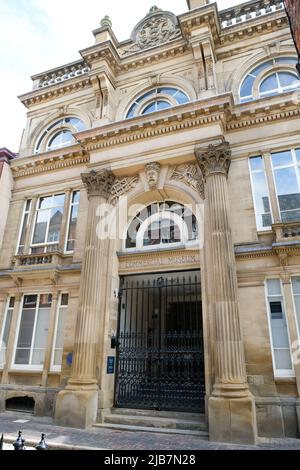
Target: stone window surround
[33,216]
[266,156]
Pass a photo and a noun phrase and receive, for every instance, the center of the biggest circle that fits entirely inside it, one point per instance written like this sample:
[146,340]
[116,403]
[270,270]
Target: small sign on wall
[110,365]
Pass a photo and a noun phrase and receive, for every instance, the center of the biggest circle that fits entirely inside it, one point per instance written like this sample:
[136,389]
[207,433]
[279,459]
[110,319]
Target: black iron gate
[160,360]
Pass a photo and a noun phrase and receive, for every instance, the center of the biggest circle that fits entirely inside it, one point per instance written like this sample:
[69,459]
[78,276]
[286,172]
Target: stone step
[156,422]
[124,427]
[160,414]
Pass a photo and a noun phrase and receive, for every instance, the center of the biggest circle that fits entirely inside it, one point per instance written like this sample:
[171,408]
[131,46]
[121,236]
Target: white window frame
[7,308]
[278,373]
[71,205]
[279,89]
[24,212]
[29,367]
[263,229]
[292,165]
[45,245]
[294,306]
[55,368]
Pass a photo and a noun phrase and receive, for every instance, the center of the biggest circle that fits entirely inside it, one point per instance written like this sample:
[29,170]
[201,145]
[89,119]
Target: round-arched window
[258,83]
[162,224]
[156,100]
[51,140]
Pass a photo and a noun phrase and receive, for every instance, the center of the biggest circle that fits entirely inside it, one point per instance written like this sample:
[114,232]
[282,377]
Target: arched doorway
[160,355]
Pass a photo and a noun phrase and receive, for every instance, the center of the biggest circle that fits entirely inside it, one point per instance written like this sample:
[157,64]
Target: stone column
[231,406]
[77,404]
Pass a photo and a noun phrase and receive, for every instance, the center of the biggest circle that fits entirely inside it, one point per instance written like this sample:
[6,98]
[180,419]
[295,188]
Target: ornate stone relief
[189,174]
[157,28]
[152,173]
[99,183]
[122,186]
[214,159]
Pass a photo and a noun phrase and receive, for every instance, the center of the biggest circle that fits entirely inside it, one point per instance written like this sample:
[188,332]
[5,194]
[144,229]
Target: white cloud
[37,35]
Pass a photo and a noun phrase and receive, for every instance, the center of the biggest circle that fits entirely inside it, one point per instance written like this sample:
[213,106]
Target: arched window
[59,134]
[162,224]
[156,100]
[264,81]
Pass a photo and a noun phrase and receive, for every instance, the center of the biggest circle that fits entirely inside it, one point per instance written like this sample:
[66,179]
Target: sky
[37,35]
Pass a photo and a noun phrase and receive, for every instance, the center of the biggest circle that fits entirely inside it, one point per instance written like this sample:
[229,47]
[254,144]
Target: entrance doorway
[160,358]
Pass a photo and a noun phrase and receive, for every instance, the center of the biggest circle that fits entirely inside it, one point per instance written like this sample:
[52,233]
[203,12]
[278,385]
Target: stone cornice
[42,95]
[33,165]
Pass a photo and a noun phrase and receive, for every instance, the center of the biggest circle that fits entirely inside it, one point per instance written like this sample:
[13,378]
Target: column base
[232,420]
[76,408]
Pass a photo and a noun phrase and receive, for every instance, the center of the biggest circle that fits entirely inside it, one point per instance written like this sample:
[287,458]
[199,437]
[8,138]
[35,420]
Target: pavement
[60,438]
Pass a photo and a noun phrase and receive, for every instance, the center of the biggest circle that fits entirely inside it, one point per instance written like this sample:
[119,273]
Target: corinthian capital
[98,183]
[214,159]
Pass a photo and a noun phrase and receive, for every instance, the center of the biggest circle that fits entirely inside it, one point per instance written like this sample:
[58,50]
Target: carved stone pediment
[158,27]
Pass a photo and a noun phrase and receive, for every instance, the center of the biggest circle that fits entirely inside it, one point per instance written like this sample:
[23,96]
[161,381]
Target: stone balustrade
[248,11]
[29,261]
[61,74]
[286,231]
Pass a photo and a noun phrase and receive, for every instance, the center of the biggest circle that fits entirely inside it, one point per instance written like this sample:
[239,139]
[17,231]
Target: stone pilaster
[77,404]
[231,406]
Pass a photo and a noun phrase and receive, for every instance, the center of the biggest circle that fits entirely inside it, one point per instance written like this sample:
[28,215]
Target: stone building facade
[6,182]
[151,257]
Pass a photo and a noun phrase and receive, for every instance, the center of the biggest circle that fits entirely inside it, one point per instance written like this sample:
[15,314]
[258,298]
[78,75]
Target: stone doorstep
[131,428]
[32,442]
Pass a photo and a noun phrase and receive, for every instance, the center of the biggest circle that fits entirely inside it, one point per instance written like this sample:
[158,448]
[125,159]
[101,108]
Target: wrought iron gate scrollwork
[160,360]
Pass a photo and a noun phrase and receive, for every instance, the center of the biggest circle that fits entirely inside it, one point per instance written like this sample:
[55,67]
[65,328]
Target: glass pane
[38,357]
[296,285]
[163,105]
[59,200]
[30,301]
[6,328]
[26,328]
[73,224]
[287,188]
[274,287]
[22,356]
[291,216]
[58,354]
[287,79]
[41,333]
[55,225]
[77,123]
[285,60]
[61,139]
[282,159]
[269,84]
[76,197]
[297,307]
[64,299]
[46,202]
[261,193]
[261,67]
[298,154]
[170,232]
[11,302]
[152,235]
[60,329]
[45,300]
[24,231]
[40,230]
[28,205]
[247,86]
[181,97]
[283,359]
[256,163]
[150,108]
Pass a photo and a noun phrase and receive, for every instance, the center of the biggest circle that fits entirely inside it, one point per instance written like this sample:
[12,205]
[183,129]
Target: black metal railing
[19,443]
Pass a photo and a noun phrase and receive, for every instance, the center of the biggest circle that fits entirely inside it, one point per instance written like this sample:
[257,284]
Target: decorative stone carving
[190,175]
[98,183]
[214,159]
[158,27]
[152,173]
[122,186]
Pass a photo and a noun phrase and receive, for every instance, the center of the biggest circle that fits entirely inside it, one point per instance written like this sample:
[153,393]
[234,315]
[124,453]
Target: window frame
[293,165]
[7,308]
[37,210]
[264,229]
[53,367]
[30,367]
[71,205]
[279,89]
[294,306]
[24,213]
[42,141]
[148,98]
[278,373]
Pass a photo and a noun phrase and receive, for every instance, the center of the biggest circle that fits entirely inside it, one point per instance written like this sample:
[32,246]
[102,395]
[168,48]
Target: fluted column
[77,404]
[230,380]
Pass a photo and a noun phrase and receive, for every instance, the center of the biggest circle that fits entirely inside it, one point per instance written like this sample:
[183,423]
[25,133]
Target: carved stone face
[153,172]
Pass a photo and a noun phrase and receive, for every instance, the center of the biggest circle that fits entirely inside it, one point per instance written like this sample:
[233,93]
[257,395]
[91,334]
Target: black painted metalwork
[160,358]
